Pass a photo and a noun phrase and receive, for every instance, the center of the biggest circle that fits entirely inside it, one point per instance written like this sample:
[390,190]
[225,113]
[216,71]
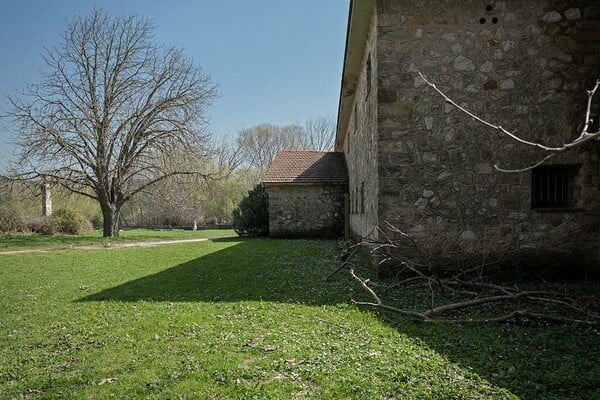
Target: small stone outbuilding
[306,194]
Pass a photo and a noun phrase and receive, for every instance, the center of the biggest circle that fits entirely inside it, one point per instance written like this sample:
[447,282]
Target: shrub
[34,224]
[65,221]
[251,217]
[12,219]
[97,221]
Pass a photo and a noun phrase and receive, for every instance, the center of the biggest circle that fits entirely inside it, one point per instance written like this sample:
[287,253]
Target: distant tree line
[259,144]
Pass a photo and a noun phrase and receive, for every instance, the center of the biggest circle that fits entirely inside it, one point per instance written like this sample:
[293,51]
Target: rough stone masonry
[420,164]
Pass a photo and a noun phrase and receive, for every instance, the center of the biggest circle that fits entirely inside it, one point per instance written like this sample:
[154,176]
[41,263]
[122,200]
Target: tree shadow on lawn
[249,270]
[533,360]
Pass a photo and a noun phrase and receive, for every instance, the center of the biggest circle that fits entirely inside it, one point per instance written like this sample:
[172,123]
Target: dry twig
[461,291]
[584,136]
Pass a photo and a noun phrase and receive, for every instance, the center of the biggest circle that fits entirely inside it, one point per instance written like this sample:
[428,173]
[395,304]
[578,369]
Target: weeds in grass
[252,319]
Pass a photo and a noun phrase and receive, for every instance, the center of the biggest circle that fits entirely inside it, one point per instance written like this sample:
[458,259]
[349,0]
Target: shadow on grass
[533,360]
[251,269]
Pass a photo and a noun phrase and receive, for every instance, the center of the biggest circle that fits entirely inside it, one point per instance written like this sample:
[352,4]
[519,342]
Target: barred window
[551,186]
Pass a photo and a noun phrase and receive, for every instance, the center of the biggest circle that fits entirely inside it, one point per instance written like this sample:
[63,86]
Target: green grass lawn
[253,319]
[29,241]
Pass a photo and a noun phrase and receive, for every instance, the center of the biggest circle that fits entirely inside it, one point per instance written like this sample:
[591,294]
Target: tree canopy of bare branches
[319,134]
[108,110]
[259,144]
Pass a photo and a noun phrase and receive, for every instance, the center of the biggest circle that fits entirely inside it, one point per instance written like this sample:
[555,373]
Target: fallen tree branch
[378,303]
[458,294]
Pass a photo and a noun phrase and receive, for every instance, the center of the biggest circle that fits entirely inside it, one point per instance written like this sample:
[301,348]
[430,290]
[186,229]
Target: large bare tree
[109,109]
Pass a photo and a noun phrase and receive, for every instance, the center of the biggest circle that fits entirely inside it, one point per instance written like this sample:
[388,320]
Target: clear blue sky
[276,61]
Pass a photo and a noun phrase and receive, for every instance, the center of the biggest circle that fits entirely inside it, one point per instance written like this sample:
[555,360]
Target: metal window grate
[550,187]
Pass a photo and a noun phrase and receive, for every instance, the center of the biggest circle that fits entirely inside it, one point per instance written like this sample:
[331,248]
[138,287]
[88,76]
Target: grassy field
[253,319]
[19,241]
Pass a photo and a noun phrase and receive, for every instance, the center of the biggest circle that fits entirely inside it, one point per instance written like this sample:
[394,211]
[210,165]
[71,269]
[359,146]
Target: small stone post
[46,200]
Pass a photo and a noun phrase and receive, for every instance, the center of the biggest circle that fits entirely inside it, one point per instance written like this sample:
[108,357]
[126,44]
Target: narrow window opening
[348,140]
[354,127]
[369,75]
[362,197]
[551,186]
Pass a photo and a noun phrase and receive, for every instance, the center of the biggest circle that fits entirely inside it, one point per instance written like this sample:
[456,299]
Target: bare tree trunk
[111,108]
[110,216]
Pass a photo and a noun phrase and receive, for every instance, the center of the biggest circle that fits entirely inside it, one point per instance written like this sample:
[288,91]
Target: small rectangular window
[354,127]
[551,186]
[348,141]
[369,75]
[362,197]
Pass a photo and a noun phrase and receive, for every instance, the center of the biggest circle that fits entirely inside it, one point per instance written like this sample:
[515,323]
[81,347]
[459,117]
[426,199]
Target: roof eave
[359,17]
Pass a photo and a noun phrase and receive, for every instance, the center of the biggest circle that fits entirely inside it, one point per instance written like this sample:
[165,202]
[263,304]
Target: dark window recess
[369,75]
[354,127]
[362,197]
[551,186]
[348,140]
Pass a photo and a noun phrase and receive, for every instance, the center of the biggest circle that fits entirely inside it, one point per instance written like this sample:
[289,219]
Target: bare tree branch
[456,292]
[584,136]
[110,105]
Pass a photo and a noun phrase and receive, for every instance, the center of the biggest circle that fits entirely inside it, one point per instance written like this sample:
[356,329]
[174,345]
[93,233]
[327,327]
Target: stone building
[420,164]
[306,194]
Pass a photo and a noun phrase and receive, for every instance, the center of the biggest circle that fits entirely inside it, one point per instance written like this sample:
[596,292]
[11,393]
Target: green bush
[34,224]
[97,221]
[65,221]
[251,217]
[12,219]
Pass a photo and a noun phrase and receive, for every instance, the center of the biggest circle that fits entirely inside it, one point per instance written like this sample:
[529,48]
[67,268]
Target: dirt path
[142,243]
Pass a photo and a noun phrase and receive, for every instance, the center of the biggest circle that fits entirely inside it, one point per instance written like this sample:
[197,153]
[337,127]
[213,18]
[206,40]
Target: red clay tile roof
[304,166]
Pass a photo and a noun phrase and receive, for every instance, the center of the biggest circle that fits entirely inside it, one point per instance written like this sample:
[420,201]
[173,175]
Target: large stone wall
[360,146]
[525,65]
[306,210]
